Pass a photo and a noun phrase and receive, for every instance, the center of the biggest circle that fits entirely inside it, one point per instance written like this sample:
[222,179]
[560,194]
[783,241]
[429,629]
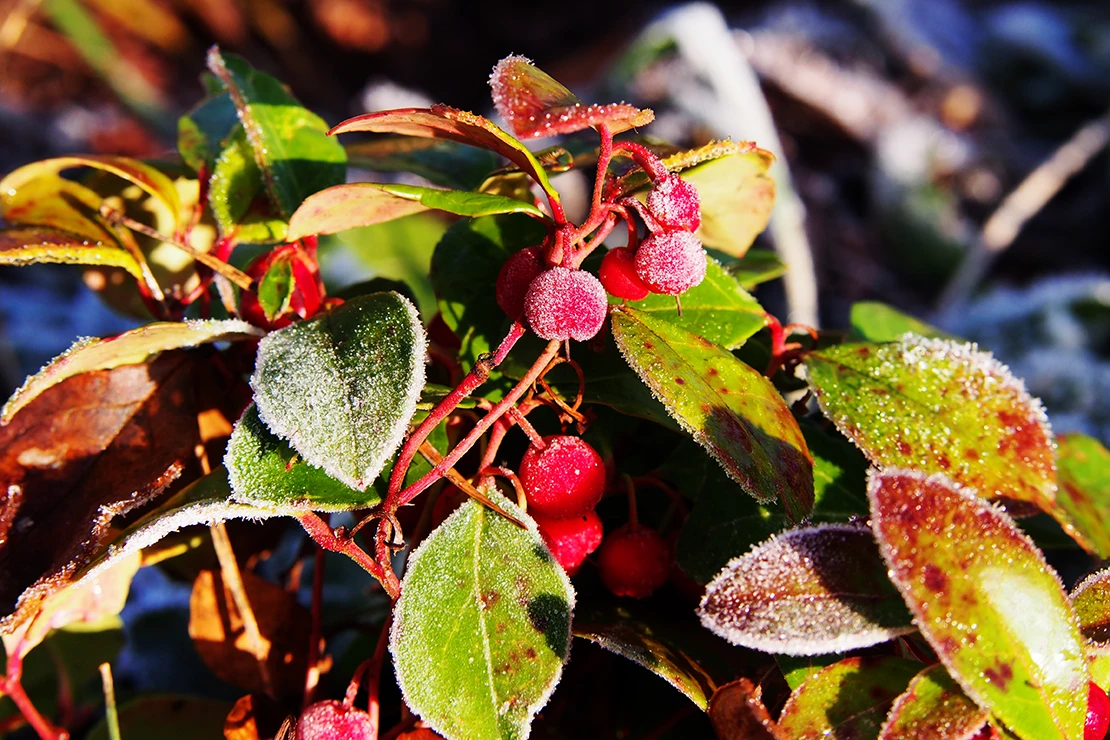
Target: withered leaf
[738,713]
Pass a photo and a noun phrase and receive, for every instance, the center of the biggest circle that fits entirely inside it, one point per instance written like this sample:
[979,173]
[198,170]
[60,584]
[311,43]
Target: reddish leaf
[807,591]
[985,599]
[536,105]
[87,450]
[1091,600]
[1083,469]
[737,713]
[934,707]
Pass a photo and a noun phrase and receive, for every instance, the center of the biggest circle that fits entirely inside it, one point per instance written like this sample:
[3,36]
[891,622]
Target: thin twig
[111,714]
[233,581]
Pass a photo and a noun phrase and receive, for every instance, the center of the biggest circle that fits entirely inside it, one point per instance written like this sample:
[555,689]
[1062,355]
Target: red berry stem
[312,672]
[599,233]
[642,156]
[340,542]
[633,514]
[373,678]
[526,426]
[510,476]
[11,687]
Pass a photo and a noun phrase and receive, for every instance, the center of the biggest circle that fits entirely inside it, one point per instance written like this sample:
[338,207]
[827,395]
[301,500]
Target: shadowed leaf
[939,407]
[933,707]
[168,718]
[970,576]
[1083,470]
[447,164]
[846,701]
[27,245]
[737,713]
[1091,600]
[757,266]
[482,628]
[203,130]
[729,408]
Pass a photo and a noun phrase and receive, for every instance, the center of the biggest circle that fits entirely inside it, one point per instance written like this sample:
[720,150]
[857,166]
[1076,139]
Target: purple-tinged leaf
[985,599]
[848,699]
[1083,470]
[536,105]
[807,591]
[729,408]
[1091,601]
[738,713]
[934,707]
[28,245]
[939,407]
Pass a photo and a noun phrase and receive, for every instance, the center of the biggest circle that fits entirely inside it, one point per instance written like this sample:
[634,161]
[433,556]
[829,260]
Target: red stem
[325,537]
[374,676]
[312,674]
[642,156]
[10,685]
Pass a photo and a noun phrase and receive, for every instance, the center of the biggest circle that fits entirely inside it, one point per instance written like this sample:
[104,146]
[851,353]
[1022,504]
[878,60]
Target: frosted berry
[634,561]
[571,540]
[618,275]
[671,262]
[674,203]
[332,720]
[565,304]
[565,479]
[1098,713]
[515,277]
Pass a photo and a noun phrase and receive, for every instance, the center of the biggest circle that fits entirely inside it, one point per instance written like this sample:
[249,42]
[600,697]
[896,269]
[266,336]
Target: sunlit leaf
[939,407]
[482,628]
[847,700]
[27,245]
[237,194]
[933,707]
[738,712]
[1091,600]
[131,347]
[729,408]
[970,577]
[877,322]
[1083,470]
[365,203]
[341,388]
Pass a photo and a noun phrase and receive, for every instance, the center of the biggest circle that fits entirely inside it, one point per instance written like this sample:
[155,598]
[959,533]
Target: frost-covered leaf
[342,387]
[28,245]
[482,628]
[717,309]
[130,348]
[290,144]
[358,204]
[737,711]
[729,408]
[536,105]
[447,164]
[846,701]
[1091,600]
[985,599]
[757,266]
[237,194]
[807,591]
[939,407]
[933,707]
[264,470]
[1083,470]
[877,322]
[167,717]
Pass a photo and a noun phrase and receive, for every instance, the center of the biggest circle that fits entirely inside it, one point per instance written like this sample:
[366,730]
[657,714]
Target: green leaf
[130,348]
[202,132]
[482,629]
[1083,470]
[275,289]
[366,203]
[265,470]
[1091,601]
[168,718]
[718,309]
[986,600]
[237,195]
[447,164]
[877,322]
[808,591]
[933,706]
[797,668]
[290,144]
[757,266]
[28,245]
[848,699]
[939,407]
[729,408]
[342,387]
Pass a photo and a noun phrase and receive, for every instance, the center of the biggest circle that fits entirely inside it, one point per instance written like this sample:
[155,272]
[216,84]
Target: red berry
[565,304]
[565,479]
[1098,713]
[331,720]
[571,540]
[515,277]
[675,204]
[618,275]
[671,262]
[634,561]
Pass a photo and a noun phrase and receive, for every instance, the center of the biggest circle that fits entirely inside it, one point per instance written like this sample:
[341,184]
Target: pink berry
[1098,713]
[571,540]
[515,277]
[618,274]
[634,561]
[332,720]
[671,262]
[675,204]
[564,479]
[565,304]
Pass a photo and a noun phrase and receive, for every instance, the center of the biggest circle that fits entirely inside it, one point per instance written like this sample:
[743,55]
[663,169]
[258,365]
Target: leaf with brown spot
[1091,601]
[933,707]
[28,245]
[807,591]
[1083,470]
[986,600]
[221,641]
[729,408]
[939,407]
[737,713]
[85,451]
[848,700]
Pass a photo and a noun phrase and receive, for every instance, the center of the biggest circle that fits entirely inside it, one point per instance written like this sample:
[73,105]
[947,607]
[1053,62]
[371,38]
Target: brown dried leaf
[737,713]
[254,717]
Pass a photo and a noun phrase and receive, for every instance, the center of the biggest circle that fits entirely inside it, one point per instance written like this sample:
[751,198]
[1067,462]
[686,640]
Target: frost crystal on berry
[565,304]
[671,262]
[571,540]
[564,479]
[515,278]
[675,204]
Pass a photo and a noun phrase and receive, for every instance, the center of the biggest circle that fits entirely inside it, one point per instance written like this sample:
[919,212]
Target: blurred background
[947,157]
